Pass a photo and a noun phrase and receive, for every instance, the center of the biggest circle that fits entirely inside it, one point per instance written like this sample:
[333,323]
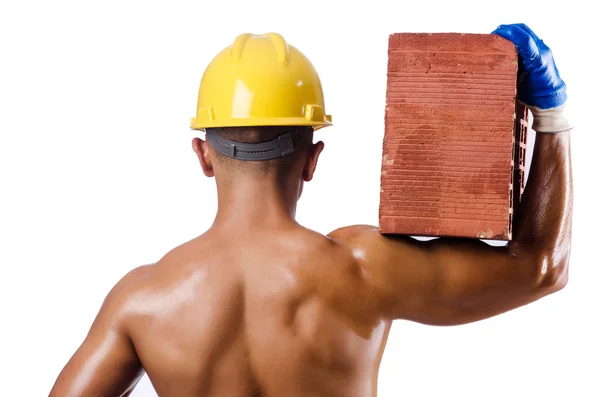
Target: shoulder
[350,233]
[118,300]
[141,291]
[368,245]
[117,306]
[361,237]
[360,241]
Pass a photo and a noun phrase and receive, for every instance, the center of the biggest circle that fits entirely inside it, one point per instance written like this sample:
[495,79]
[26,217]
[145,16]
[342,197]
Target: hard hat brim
[266,122]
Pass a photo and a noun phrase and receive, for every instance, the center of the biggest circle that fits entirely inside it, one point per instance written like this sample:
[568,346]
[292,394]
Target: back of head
[280,166]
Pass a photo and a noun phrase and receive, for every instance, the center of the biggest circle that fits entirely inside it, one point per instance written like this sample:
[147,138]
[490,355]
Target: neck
[247,203]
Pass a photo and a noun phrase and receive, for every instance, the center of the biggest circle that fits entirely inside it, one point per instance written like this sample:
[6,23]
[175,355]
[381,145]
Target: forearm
[543,224]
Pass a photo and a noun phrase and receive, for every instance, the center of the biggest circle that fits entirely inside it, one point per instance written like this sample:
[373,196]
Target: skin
[261,306]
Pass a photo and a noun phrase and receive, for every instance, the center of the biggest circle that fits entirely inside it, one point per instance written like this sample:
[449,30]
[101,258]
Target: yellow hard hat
[260,80]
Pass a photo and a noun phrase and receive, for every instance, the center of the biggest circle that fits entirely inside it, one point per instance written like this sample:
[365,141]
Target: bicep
[462,280]
[442,281]
[106,363]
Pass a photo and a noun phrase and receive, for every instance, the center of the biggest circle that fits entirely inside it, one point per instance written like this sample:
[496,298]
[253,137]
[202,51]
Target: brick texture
[454,146]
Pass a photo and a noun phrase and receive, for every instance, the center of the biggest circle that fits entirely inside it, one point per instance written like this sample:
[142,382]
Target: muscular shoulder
[361,239]
[372,250]
[130,284]
[352,233]
[144,283]
[139,295]
[117,306]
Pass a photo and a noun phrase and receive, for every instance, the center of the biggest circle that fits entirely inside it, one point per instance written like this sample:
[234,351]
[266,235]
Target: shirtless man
[261,306]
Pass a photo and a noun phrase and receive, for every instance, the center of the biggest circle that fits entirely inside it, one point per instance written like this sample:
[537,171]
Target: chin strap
[281,146]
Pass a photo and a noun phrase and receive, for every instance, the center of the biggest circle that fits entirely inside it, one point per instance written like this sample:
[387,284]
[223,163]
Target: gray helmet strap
[281,146]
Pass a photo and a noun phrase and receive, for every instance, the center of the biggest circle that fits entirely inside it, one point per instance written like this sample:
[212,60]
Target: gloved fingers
[540,43]
[527,29]
[525,43]
[538,83]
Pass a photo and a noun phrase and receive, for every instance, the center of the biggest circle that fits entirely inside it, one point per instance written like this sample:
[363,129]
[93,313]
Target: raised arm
[106,363]
[456,281]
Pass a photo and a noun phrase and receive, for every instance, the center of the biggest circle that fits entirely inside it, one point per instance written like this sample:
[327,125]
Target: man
[261,306]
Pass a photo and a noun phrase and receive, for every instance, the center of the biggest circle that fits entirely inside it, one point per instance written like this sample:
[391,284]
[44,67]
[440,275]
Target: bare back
[281,310]
[252,315]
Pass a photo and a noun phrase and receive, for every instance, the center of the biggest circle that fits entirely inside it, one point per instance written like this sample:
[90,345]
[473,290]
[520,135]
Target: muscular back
[254,315]
[286,311]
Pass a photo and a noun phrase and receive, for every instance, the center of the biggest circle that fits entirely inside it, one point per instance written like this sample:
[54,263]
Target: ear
[312,160]
[201,149]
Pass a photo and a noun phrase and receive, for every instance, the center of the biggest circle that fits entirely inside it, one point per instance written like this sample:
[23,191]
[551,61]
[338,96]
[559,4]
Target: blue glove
[540,86]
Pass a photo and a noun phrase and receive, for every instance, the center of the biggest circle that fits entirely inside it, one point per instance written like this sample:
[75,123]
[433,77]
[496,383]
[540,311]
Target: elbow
[552,272]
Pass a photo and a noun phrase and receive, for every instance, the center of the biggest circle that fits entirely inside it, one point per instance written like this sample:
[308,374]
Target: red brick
[453,133]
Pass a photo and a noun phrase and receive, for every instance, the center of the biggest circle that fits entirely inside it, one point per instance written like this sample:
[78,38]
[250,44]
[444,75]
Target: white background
[97,175]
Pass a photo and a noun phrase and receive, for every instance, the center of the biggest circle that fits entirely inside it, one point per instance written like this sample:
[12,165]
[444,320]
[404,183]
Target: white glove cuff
[550,121]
